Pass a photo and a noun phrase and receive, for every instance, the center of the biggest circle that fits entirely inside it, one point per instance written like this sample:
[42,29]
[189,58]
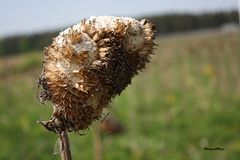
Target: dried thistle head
[88,64]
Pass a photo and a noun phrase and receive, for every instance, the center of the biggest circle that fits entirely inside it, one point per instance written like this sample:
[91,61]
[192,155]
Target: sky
[29,16]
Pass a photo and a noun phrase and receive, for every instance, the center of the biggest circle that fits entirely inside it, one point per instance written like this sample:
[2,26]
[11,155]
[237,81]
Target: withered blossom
[90,63]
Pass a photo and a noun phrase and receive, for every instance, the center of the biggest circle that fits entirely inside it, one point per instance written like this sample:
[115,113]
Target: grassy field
[188,98]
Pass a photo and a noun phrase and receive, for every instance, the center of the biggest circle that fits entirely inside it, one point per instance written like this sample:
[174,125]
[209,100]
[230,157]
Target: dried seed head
[90,63]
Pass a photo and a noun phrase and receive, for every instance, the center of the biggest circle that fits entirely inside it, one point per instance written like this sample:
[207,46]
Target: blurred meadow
[186,99]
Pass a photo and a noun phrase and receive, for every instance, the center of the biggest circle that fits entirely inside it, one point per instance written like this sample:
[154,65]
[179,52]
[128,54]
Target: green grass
[188,98]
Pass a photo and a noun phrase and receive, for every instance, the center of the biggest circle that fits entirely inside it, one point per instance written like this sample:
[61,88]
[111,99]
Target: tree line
[185,22]
[17,44]
[164,24]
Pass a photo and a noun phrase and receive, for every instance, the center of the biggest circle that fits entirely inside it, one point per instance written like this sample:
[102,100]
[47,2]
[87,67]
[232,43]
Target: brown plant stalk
[98,146]
[65,146]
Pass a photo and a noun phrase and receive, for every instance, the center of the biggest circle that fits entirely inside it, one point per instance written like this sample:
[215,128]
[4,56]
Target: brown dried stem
[65,147]
[98,148]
